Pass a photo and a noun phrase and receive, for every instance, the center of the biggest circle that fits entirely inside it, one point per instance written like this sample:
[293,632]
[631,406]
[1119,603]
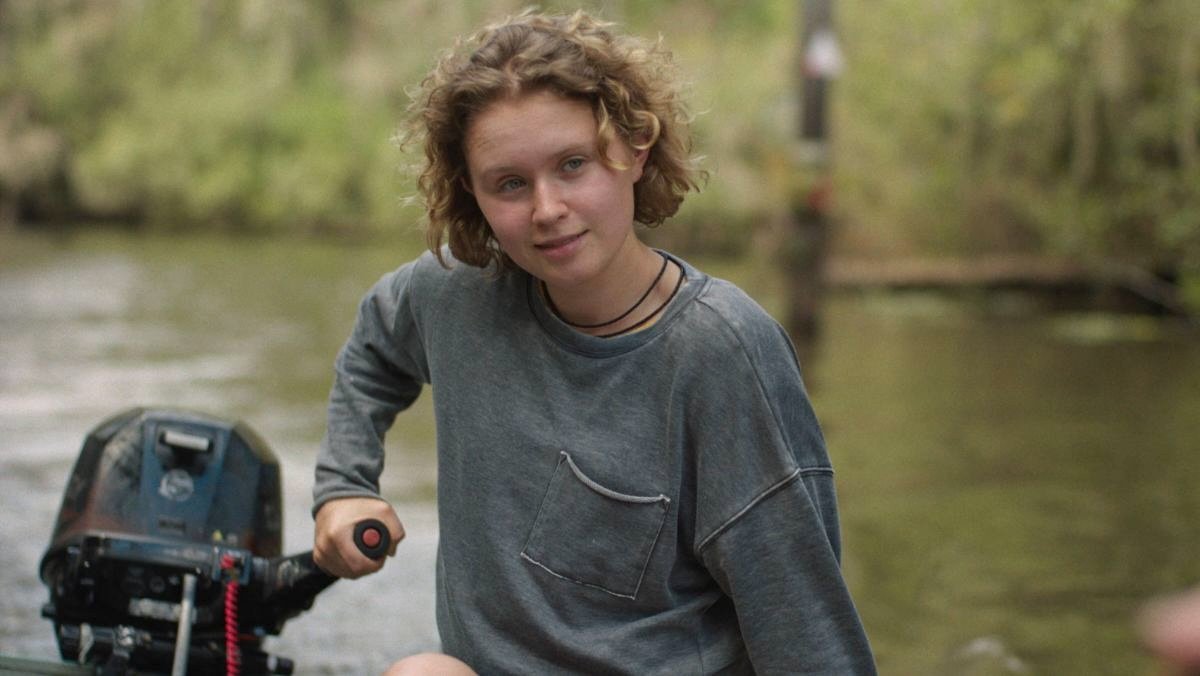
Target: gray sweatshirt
[656,503]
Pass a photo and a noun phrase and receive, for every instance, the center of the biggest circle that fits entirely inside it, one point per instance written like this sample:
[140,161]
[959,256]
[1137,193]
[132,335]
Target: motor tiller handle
[372,538]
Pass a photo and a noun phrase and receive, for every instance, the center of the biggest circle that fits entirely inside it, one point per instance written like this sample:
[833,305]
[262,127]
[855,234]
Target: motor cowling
[155,496]
[174,475]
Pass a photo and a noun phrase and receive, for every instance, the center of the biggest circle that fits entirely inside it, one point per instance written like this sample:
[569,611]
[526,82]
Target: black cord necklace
[652,315]
[550,302]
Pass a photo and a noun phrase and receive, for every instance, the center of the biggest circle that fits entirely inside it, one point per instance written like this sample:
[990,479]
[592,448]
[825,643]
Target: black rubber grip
[372,529]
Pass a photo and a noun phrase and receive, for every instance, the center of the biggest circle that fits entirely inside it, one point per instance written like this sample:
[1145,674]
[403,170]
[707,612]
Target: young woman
[630,476]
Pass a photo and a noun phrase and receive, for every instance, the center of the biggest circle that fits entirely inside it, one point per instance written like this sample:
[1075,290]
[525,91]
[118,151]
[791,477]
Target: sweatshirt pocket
[593,536]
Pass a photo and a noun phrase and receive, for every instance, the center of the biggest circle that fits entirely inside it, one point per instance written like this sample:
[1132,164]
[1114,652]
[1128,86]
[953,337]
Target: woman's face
[555,208]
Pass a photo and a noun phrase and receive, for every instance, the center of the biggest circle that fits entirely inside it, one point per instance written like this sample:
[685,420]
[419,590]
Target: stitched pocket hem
[593,536]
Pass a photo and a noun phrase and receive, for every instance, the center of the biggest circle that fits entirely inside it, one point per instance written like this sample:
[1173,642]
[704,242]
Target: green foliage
[1051,126]
[222,114]
[1036,125]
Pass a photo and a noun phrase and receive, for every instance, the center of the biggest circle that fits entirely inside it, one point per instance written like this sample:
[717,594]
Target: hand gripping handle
[372,538]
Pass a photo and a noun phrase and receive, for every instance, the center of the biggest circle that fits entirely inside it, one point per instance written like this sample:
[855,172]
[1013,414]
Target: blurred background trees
[1063,127]
[960,127]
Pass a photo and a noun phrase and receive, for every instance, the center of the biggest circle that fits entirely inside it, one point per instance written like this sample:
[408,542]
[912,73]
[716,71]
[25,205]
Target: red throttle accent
[233,654]
[372,538]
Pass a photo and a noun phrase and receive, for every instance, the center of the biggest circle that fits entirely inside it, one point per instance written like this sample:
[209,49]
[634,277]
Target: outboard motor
[167,549]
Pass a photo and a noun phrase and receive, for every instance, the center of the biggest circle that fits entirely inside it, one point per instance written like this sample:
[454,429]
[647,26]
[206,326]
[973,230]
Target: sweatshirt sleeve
[378,372]
[767,517]
[780,567]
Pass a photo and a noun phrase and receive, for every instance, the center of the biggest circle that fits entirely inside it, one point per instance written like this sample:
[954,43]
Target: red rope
[232,652]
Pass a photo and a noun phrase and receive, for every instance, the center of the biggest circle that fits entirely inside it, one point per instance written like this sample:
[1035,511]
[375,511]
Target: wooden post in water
[804,255]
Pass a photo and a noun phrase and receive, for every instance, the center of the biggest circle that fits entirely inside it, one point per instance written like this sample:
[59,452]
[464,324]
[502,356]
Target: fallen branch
[1006,272]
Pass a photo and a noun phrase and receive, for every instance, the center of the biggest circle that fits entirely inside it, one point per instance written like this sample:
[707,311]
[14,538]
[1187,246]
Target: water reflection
[1012,488]
[1004,484]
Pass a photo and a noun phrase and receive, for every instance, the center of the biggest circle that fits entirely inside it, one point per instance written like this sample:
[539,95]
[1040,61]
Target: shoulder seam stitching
[802,472]
[754,367]
[757,499]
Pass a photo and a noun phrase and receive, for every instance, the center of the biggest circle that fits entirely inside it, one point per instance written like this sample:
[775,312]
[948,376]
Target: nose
[548,204]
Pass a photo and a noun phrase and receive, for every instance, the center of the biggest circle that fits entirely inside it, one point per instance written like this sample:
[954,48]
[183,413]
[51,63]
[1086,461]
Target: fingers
[395,528]
[1171,629]
[334,549]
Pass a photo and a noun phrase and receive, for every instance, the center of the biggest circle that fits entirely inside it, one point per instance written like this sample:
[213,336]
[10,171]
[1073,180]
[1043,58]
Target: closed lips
[558,241]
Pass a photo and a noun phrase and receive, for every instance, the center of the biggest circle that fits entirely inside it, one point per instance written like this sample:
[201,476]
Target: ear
[640,155]
[465,180]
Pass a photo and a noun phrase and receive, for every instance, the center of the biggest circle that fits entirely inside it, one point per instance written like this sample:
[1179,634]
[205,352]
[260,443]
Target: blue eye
[511,184]
[573,164]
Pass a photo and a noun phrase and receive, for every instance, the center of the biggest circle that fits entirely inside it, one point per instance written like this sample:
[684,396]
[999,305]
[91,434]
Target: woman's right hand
[334,550]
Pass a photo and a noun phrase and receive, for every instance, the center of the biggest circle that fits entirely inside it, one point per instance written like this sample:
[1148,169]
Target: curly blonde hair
[630,84]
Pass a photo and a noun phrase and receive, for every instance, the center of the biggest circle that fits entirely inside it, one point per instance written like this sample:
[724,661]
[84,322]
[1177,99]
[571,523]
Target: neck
[596,304]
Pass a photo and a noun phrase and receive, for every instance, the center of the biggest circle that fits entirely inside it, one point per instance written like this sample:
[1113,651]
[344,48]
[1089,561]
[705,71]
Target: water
[1022,484]
[1013,486]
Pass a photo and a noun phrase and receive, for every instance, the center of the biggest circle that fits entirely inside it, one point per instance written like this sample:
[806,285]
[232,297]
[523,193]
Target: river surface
[1013,485]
